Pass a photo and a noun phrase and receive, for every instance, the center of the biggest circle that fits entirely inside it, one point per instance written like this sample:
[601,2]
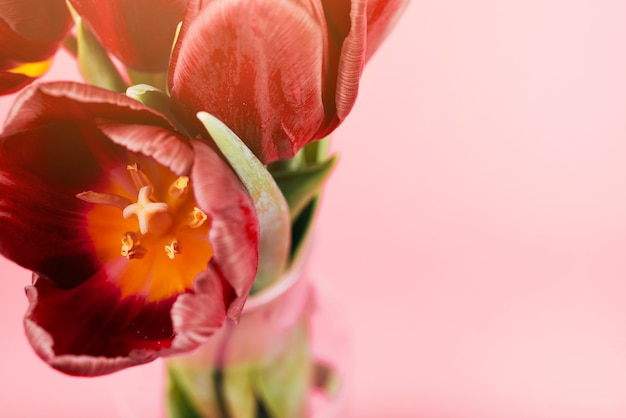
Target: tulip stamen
[131,246]
[179,188]
[173,248]
[138,177]
[153,217]
[196,218]
[104,199]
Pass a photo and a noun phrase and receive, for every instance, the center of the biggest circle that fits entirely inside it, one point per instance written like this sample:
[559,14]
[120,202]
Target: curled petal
[192,321]
[261,78]
[60,102]
[140,33]
[234,232]
[165,146]
[351,60]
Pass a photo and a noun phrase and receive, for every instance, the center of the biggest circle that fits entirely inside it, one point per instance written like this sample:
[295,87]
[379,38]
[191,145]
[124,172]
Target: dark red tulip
[140,33]
[280,74]
[30,34]
[141,241]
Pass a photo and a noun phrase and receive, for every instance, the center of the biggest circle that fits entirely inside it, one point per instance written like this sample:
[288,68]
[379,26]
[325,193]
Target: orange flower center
[154,244]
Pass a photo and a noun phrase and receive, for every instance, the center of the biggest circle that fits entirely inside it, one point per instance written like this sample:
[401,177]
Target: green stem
[218,374]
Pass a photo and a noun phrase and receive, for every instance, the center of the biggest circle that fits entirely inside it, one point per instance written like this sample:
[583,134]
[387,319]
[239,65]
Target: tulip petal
[262,79]
[234,232]
[90,331]
[382,16]
[52,150]
[165,146]
[19,49]
[30,32]
[42,223]
[75,103]
[356,29]
[36,20]
[11,82]
[351,60]
[140,33]
[192,321]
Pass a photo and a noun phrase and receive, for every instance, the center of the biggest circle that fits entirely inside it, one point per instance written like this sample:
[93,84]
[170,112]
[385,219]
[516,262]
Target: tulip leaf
[158,80]
[157,100]
[301,186]
[270,204]
[93,61]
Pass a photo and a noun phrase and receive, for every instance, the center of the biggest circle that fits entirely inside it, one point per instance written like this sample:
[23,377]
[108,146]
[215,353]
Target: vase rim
[288,279]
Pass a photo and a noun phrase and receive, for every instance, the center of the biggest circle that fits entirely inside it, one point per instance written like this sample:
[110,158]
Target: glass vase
[286,358]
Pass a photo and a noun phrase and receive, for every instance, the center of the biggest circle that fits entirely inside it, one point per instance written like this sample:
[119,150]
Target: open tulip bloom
[147,214]
[141,241]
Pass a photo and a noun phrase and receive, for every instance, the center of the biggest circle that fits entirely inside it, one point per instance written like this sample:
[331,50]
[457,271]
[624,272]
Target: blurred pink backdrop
[474,231]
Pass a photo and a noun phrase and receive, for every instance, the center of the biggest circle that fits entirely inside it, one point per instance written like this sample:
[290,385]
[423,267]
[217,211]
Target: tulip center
[162,236]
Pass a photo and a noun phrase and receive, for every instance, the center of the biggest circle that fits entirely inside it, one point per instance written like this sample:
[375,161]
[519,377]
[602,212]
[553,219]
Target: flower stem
[218,374]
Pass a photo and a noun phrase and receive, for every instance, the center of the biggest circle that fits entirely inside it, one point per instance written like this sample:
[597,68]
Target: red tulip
[279,74]
[140,33]
[30,33]
[141,241]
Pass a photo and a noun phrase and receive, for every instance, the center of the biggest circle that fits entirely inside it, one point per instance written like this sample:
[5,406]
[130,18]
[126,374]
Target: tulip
[140,33]
[141,241]
[30,34]
[279,74]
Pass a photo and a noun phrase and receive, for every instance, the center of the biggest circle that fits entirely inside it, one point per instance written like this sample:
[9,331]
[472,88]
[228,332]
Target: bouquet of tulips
[152,199]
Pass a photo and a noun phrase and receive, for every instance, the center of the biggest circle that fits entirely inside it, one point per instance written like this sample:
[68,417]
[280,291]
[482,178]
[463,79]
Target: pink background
[474,231]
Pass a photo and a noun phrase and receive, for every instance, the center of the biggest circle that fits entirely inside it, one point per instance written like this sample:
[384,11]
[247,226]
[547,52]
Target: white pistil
[152,216]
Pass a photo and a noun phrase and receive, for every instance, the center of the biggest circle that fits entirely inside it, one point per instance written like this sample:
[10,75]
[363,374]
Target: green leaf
[301,186]
[93,61]
[178,403]
[157,100]
[158,80]
[271,208]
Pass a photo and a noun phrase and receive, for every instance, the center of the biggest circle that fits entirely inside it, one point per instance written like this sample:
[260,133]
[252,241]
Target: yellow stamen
[138,176]
[153,217]
[104,199]
[179,187]
[196,218]
[131,246]
[172,249]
